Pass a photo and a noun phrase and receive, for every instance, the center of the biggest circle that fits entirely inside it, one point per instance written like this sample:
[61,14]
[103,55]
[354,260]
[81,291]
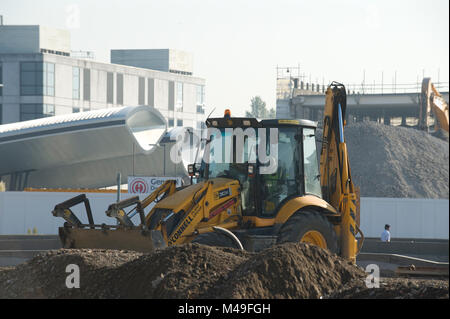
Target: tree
[272,114]
[259,109]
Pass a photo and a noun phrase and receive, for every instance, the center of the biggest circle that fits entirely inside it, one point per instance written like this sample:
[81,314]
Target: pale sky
[237,44]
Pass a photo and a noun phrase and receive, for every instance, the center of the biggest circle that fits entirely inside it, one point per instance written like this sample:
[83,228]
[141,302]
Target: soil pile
[395,288]
[45,275]
[185,271]
[292,270]
[393,161]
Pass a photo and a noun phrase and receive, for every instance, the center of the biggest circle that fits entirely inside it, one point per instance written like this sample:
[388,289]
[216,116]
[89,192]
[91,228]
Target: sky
[237,44]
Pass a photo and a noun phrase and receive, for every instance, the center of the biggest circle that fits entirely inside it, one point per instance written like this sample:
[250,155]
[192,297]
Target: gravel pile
[393,161]
[441,134]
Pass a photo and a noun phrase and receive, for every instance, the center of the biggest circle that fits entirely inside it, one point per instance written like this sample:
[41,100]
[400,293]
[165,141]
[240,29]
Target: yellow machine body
[200,207]
[317,204]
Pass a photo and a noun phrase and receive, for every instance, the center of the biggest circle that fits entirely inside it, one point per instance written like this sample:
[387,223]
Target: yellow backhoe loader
[432,103]
[259,183]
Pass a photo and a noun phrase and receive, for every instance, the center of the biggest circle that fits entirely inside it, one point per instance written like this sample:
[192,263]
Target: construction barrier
[23,212]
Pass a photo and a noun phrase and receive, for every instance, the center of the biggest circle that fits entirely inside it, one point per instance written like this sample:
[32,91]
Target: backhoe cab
[259,183]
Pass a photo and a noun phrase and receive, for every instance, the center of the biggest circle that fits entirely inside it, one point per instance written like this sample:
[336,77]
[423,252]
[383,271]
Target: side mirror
[191,170]
[197,170]
[251,170]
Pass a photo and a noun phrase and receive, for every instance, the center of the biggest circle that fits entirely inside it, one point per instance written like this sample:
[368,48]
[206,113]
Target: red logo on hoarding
[139,186]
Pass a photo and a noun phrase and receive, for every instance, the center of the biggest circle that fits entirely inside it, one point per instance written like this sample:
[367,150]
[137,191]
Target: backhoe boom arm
[336,181]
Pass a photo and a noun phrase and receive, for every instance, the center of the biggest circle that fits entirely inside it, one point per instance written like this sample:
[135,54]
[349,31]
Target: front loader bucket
[120,238]
[124,236]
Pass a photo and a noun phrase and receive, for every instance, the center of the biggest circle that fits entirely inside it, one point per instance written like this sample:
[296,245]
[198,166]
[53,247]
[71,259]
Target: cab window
[286,181]
[311,165]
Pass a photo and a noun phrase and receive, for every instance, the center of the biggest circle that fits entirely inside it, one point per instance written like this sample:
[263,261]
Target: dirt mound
[184,271]
[393,161]
[395,288]
[187,271]
[45,275]
[175,272]
[292,270]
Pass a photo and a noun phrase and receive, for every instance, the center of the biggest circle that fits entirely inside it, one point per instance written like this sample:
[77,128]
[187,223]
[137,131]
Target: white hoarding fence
[408,217]
[20,211]
[147,184]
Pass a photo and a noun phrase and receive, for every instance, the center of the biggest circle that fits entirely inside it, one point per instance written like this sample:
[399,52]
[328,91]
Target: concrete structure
[384,108]
[17,249]
[388,104]
[434,249]
[87,150]
[18,39]
[166,60]
[40,79]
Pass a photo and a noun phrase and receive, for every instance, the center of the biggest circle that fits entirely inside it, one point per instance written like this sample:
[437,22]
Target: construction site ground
[193,271]
[386,161]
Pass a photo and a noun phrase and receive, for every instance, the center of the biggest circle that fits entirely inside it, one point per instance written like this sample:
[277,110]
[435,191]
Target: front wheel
[309,227]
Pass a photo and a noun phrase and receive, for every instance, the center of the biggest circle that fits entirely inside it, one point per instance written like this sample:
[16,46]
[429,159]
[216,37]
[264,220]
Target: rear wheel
[215,239]
[309,227]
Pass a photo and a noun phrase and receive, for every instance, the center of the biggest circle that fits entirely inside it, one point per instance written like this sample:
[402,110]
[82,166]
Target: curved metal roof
[65,120]
[85,149]
[143,122]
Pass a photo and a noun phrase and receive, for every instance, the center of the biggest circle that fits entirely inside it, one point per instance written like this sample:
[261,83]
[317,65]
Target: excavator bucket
[120,238]
[123,236]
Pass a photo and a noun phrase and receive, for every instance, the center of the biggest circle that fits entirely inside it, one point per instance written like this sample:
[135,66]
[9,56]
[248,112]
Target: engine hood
[183,197]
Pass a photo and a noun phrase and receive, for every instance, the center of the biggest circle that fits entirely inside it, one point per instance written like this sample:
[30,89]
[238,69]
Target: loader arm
[116,210]
[182,227]
[166,189]
[189,220]
[336,182]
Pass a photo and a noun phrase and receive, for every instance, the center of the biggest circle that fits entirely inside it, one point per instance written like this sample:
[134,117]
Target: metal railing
[361,89]
[392,88]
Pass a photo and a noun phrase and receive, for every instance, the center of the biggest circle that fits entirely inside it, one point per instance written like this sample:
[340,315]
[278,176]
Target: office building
[40,78]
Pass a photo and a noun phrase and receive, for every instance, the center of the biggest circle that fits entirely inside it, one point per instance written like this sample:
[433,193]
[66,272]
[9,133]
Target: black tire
[303,221]
[215,239]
